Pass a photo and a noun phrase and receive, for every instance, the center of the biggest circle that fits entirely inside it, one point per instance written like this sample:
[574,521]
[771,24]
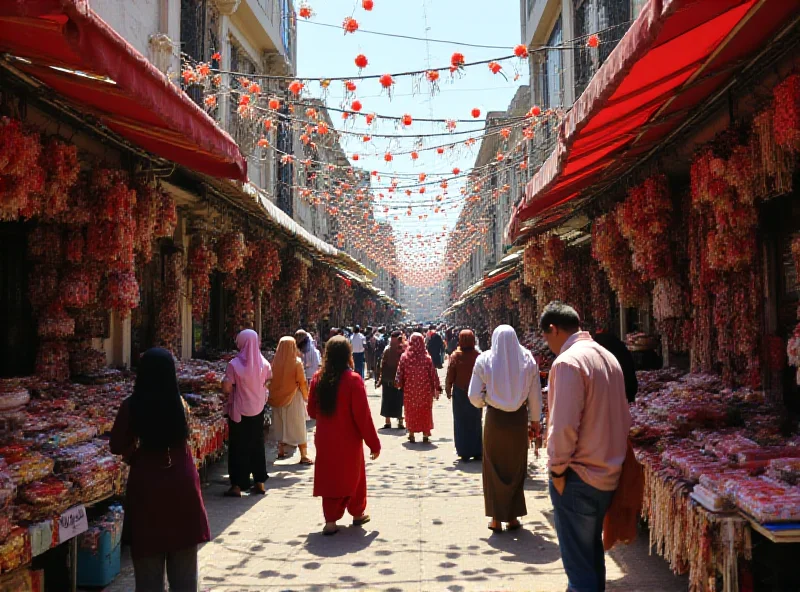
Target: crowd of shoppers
[590,384]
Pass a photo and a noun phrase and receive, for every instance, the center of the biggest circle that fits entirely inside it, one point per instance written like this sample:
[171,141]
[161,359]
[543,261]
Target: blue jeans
[579,514]
[358,361]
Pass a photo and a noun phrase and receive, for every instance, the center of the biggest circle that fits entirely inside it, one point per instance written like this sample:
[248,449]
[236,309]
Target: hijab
[506,364]
[303,340]
[158,418]
[416,351]
[251,371]
[284,373]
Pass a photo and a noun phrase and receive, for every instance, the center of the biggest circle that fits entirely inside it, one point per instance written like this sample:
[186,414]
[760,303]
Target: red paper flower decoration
[305,12]
[368,5]
[296,87]
[274,104]
[388,157]
[476,113]
[495,67]
[356,106]
[322,128]
[456,171]
[370,118]
[387,81]
[593,41]
[457,60]
[361,61]
[505,132]
[414,155]
[535,111]
[407,119]
[350,86]
[355,157]
[521,51]
[432,75]
[440,150]
[350,25]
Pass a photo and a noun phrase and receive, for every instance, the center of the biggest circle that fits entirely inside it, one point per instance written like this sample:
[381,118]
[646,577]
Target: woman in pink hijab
[245,388]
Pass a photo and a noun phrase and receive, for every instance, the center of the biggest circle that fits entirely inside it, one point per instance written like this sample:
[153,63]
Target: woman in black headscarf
[164,506]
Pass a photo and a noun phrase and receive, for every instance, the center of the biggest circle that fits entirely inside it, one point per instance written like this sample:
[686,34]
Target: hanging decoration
[202,260]
[610,250]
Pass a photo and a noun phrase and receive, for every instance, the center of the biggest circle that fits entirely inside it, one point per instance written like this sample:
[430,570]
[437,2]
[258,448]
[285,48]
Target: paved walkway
[427,532]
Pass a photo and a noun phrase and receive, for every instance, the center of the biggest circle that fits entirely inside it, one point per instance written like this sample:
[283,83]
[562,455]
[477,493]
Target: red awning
[66,46]
[677,54]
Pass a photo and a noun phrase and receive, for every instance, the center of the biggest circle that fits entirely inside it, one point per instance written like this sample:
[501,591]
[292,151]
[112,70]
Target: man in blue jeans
[359,342]
[587,438]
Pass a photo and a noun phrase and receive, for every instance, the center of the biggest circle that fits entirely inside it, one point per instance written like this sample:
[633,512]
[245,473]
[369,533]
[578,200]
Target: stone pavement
[428,531]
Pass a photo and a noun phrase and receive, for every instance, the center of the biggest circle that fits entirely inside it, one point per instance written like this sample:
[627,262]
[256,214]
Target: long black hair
[338,354]
[157,413]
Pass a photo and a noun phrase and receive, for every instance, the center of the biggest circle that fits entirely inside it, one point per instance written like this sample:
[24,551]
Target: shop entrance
[17,327]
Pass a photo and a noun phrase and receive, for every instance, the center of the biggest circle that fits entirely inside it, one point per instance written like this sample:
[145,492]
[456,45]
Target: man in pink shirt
[587,436]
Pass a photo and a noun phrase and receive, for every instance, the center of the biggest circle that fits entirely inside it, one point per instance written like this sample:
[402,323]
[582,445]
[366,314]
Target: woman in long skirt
[506,380]
[467,419]
[419,381]
[245,386]
[391,397]
[288,393]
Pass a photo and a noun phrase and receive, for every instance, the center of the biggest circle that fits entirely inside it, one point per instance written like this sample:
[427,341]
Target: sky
[328,52]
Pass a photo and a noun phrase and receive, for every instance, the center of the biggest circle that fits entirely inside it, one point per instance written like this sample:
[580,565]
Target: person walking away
[338,402]
[164,506]
[309,354]
[391,395]
[587,435]
[452,339]
[288,393]
[419,381]
[624,356]
[369,352]
[467,419]
[506,381]
[359,342]
[380,346]
[245,389]
[436,348]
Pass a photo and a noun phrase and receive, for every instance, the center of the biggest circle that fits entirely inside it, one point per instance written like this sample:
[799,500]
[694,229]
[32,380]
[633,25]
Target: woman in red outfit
[419,381]
[164,506]
[338,401]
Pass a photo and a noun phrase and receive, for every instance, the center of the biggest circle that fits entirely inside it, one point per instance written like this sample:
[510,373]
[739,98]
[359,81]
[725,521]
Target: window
[609,19]
[552,71]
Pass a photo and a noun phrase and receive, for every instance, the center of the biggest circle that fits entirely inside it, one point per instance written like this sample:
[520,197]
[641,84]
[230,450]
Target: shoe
[426,440]
[495,526]
[233,492]
[387,426]
[330,530]
[401,426]
[514,525]
[258,489]
[412,439]
[362,520]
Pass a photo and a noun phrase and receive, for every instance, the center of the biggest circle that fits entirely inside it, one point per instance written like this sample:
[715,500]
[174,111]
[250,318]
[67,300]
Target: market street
[427,532]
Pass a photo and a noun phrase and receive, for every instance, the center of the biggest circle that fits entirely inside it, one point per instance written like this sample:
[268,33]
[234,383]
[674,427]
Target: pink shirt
[246,401]
[589,420]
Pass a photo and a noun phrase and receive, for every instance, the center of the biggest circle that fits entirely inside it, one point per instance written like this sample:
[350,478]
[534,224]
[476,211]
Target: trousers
[579,514]
[358,362]
[333,507]
[246,454]
[180,568]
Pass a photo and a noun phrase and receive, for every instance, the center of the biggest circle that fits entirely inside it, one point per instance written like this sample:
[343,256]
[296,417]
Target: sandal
[401,426]
[426,440]
[330,531]
[412,439]
[258,489]
[495,526]
[514,525]
[306,461]
[233,492]
[387,426]
[361,521]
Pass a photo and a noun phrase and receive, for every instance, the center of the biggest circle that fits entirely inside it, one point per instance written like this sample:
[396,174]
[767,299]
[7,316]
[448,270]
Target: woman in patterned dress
[419,381]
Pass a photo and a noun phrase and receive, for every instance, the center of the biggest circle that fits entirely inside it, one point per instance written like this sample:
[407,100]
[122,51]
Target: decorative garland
[202,259]
[610,250]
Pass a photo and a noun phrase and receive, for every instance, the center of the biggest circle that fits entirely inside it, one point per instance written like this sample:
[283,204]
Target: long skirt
[289,423]
[467,426]
[392,402]
[246,454]
[505,463]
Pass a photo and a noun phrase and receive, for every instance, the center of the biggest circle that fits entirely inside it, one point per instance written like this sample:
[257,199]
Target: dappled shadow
[474,467]
[349,540]
[524,546]
[418,446]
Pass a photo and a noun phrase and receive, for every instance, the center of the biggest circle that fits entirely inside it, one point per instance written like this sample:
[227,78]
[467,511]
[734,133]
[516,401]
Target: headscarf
[506,363]
[466,341]
[158,417]
[391,358]
[303,341]
[416,351]
[251,370]
[284,383]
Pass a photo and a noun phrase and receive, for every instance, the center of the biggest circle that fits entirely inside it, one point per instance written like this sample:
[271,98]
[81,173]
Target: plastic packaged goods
[766,501]
[25,466]
[15,551]
[785,469]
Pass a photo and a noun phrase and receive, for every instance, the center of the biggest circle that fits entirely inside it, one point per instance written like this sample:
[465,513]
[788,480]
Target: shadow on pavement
[419,446]
[349,540]
[524,546]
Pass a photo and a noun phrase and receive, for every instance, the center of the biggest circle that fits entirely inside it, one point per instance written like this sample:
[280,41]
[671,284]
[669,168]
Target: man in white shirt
[358,341]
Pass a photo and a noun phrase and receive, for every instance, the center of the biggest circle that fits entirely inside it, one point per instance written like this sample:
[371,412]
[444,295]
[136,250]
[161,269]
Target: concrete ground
[428,531]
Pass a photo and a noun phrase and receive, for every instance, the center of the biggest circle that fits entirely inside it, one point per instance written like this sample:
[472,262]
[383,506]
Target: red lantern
[305,12]
[432,75]
[456,171]
[368,5]
[274,104]
[361,61]
[593,41]
[296,87]
[440,150]
[476,113]
[356,106]
[387,81]
[366,139]
[350,25]
[521,51]
[495,67]
[370,118]
[535,111]
[350,86]
[414,155]
[388,157]
[407,119]
[422,177]
[355,157]
[267,124]
[457,60]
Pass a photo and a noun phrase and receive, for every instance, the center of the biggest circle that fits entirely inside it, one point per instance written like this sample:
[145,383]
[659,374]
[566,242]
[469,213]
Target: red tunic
[419,382]
[340,438]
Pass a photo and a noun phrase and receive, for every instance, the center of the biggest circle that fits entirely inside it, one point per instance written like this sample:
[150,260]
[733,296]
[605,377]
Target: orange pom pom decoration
[368,5]
[361,61]
[387,81]
[432,75]
[274,104]
[414,155]
[350,25]
[407,119]
[356,106]
[495,67]
[457,60]
[388,157]
[350,86]
[521,51]
[456,171]
[593,41]
[305,12]
[370,118]
[296,87]
[476,113]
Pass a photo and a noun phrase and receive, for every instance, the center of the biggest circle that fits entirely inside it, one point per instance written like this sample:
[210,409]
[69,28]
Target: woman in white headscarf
[505,380]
